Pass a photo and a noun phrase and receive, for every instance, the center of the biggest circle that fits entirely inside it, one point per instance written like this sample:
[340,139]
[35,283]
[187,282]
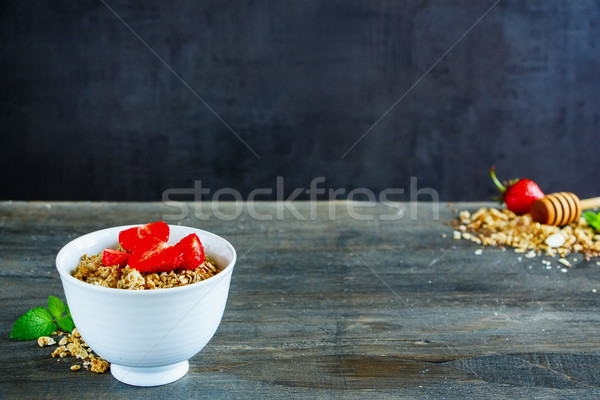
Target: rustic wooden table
[329,300]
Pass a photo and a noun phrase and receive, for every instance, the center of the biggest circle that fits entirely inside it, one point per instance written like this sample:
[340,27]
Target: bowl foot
[151,376]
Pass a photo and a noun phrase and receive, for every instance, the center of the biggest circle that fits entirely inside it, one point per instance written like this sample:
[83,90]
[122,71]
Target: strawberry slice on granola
[130,238]
[154,255]
[112,257]
[193,251]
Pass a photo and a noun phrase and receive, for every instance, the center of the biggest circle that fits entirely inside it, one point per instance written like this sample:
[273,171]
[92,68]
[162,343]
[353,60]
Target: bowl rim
[227,270]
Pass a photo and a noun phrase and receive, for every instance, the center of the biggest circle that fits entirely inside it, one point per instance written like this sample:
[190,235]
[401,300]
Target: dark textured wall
[89,112]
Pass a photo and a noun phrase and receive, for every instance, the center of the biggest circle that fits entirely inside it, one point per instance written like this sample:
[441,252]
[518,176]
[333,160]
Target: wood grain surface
[330,306]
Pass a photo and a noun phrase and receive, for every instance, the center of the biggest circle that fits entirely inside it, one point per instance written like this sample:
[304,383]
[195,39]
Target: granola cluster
[73,345]
[492,227]
[91,270]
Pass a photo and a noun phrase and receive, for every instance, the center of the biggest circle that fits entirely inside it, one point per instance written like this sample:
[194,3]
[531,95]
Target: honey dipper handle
[594,202]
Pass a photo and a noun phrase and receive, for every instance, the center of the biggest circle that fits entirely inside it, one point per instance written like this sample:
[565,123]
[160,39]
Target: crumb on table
[493,227]
[73,345]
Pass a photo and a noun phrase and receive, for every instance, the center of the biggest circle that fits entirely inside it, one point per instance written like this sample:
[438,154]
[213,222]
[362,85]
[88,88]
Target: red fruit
[519,195]
[193,251]
[111,257]
[130,237]
[153,255]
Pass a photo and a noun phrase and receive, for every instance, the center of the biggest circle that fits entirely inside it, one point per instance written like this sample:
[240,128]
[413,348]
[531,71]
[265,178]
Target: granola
[45,341]
[91,270]
[493,227]
[73,345]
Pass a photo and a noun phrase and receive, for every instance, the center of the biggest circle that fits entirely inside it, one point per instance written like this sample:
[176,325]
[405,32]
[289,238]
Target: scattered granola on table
[73,345]
[91,270]
[493,227]
[45,341]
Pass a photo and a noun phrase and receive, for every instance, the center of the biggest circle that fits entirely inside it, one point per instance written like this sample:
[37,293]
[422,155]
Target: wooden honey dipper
[560,208]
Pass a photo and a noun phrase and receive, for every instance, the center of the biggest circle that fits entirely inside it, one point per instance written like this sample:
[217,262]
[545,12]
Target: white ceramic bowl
[148,336]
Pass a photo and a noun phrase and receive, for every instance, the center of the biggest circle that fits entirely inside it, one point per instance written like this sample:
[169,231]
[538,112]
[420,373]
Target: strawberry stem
[498,184]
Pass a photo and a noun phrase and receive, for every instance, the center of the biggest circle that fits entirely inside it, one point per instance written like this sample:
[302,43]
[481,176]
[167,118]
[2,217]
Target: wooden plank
[331,306]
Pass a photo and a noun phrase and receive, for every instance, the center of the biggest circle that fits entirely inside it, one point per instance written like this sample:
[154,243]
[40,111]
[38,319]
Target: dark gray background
[89,112]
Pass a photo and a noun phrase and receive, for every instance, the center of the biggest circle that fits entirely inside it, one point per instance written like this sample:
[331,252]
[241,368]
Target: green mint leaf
[65,323]
[33,324]
[56,306]
[593,219]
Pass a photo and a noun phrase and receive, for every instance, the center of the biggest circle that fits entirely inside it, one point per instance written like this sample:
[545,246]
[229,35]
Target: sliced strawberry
[130,237]
[153,255]
[193,251]
[147,243]
[158,229]
[112,257]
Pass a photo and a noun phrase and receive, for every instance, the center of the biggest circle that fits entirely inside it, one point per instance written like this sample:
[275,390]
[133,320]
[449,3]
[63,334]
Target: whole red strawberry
[519,195]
